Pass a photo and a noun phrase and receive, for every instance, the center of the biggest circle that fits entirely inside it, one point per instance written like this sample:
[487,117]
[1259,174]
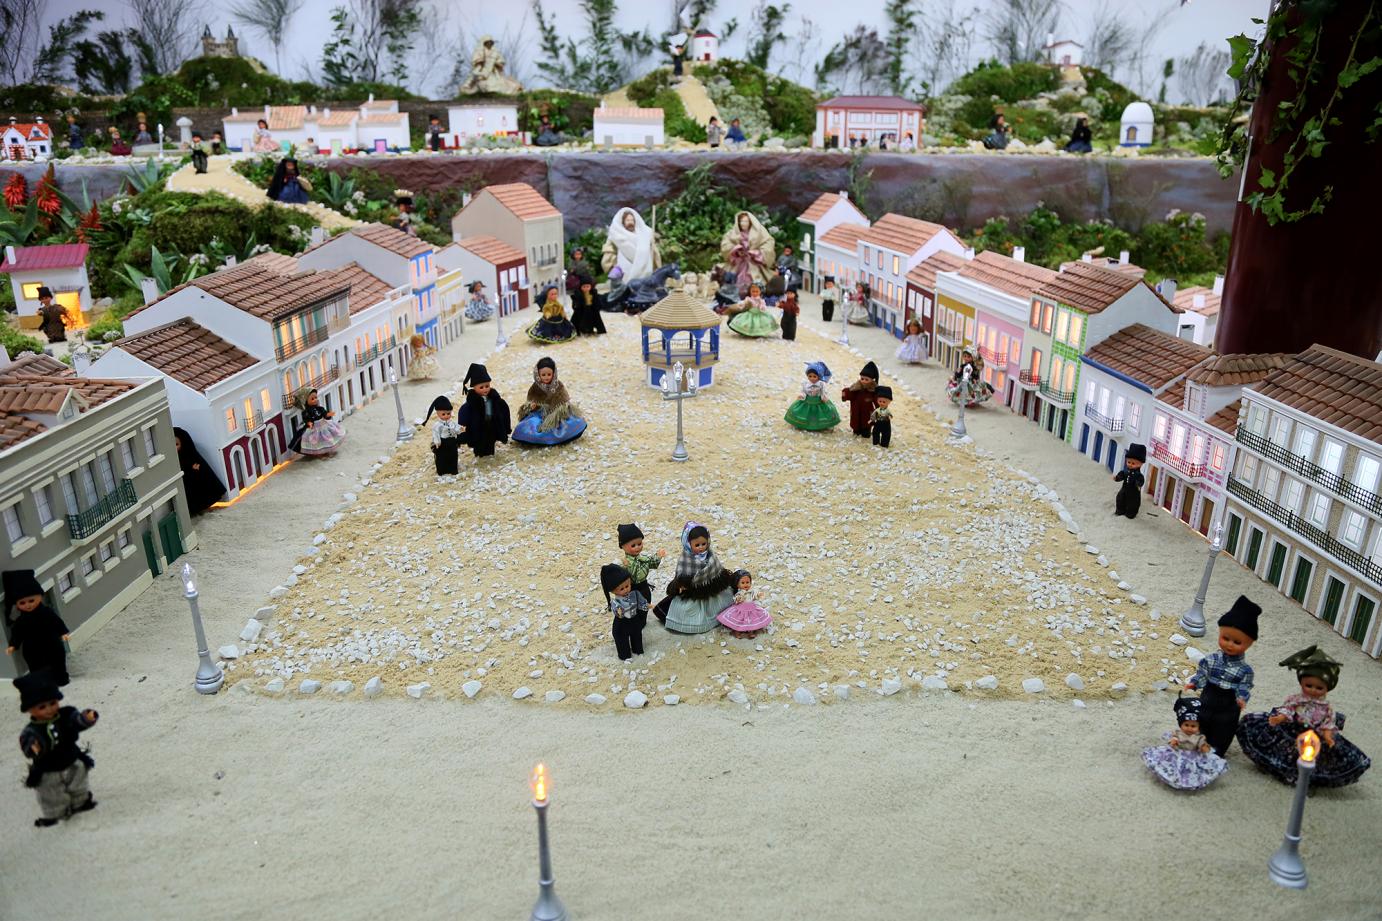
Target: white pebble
[737,696]
[274,685]
[522,693]
[890,687]
[309,686]
[1077,704]
[341,688]
[416,691]
[1033,685]
[1178,639]
[229,651]
[471,688]
[804,697]
[1194,655]
[635,700]
[554,696]
[251,631]
[1137,599]
[988,683]
[1074,682]
[671,700]
[374,687]
[934,683]
[595,700]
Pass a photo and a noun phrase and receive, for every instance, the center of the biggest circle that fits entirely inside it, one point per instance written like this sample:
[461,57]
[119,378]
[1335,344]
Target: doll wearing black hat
[434,132]
[638,563]
[629,607]
[53,315]
[34,629]
[1129,499]
[1186,761]
[881,419]
[484,415]
[446,437]
[862,397]
[58,768]
[1224,678]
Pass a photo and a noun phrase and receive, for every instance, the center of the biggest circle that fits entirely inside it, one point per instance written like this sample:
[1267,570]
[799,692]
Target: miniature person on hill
[52,314]
[881,419]
[288,186]
[75,139]
[434,136]
[862,397]
[58,770]
[736,133]
[484,415]
[1270,739]
[548,417]
[1186,761]
[813,411]
[1129,498]
[263,139]
[714,133]
[200,151]
[629,607]
[446,437]
[638,563]
[34,629]
[1224,678]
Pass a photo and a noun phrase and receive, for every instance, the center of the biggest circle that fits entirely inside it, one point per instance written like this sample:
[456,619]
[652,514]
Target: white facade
[465,122]
[69,283]
[362,128]
[705,47]
[1137,126]
[1064,52]
[26,141]
[891,248]
[866,119]
[380,251]
[629,127]
[1189,457]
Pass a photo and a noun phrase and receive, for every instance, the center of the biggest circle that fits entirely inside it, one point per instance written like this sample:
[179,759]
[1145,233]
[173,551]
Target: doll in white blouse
[1186,761]
[746,616]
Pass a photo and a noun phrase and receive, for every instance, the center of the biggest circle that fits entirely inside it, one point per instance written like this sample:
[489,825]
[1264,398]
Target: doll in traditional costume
[746,616]
[33,628]
[263,138]
[791,309]
[201,484]
[52,315]
[1269,739]
[862,397]
[701,589]
[829,295]
[288,186]
[970,370]
[553,326]
[638,563]
[881,419]
[321,434]
[548,416]
[200,153]
[813,410]
[752,318]
[586,304]
[629,607]
[1129,498]
[446,436]
[1224,678]
[478,308]
[58,768]
[1186,761]
[857,306]
[631,248]
[748,251]
[424,366]
[912,351]
[579,267]
[484,415]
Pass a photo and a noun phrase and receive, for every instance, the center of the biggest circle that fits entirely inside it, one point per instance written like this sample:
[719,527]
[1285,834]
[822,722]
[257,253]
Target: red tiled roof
[630,113]
[523,200]
[1336,387]
[1011,276]
[1226,419]
[391,239]
[1090,288]
[1173,395]
[491,250]
[278,263]
[338,119]
[1185,300]
[869,102]
[900,234]
[1148,355]
[924,275]
[366,288]
[188,353]
[28,364]
[843,236]
[24,392]
[262,293]
[1237,369]
[382,118]
[824,203]
[37,258]
[32,131]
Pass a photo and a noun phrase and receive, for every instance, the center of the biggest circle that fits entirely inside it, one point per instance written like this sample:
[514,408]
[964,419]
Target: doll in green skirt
[813,411]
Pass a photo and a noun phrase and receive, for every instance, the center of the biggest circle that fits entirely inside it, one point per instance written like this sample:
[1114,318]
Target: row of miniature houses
[375,125]
[1284,452]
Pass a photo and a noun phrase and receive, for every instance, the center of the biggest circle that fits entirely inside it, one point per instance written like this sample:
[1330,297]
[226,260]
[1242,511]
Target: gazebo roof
[678,310]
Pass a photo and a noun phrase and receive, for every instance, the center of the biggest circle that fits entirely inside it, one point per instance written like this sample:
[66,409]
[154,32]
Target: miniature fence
[88,522]
[1316,535]
[1296,463]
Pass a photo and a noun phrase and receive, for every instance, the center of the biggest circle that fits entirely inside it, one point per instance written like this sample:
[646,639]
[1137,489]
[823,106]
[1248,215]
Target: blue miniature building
[680,329]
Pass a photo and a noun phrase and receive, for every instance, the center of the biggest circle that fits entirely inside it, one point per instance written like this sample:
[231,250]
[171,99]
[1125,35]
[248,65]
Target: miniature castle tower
[211,48]
[688,332]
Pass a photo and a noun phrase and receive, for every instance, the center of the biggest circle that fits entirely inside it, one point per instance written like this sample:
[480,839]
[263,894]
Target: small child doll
[424,366]
[446,437]
[813,410]
[638,563]
[881,419]
[200,151]
[829,294]
[746,616]
[1270,739]
[321,434]
[1224,678]
[913,348]
[484,416]
[58,771]
[586,304]
[37,631]
[217,144]
[630,610]
[1129,499]
[791,309]
[862,398]
[1185,762]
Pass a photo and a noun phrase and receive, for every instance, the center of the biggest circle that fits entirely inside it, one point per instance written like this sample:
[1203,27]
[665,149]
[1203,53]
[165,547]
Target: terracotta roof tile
[843,236]
[1110,263]
[32,131]
[1185,300]
[1226,419]
[28,364]
[523,200]
[386,105]
[277,263]
[25,391]
[382,118]
[824,203]
[15,428]
[366,288]
[629,113]
[341,118]
[286,118]
[1237,369]
[491,250]
[924,275]
[1173,395]
[900,234]
[1011,276]
[37,258]
[267,295]
[1148,355]
[188,353]
[1341,389]
[881,103]
[1088,287]
[391,239]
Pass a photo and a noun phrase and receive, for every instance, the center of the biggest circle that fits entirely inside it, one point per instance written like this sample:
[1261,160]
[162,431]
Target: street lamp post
[405,431]
[958,432]
[548,906]
[672,390]
[1285,866]
[1192,621]
[845,301]
[501,340]
[209,677]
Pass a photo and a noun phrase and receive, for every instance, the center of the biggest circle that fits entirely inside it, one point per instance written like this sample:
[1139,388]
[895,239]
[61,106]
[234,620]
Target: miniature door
[1132,134]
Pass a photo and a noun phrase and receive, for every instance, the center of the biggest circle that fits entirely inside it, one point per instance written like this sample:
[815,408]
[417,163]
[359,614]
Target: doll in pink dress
[746,616]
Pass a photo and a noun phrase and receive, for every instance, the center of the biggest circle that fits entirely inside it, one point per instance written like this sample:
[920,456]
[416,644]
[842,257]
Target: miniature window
[1365,474]
[1332,456]
[88,481]
[264,400]
[107,551]
[150,449]
[13,526]
[30,290]
[1048,313]
[1035,320]
[105,464]
[1119,406]
[65,582]
[69,493]
[1257,420]
[43,498]
[1319,510]
[1351,529]
[122,540]
[1220,456]
[127,454]
[1134,417]
[1248,470]
[1076,329]
[880,259]
[88,564]
[1070,371]
[1305,442]
[230,420]
[897,265]
[1159,432]
[1270,481]
[1281,429]
[1062,324]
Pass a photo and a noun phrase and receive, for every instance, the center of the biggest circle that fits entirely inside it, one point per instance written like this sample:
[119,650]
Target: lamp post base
[549,907]
[405,432]
[209,679]
[1192,621]
[1286,868]
[679,453]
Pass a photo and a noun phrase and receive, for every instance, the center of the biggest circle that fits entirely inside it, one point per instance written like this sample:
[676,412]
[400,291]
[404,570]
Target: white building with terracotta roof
[26,141]
[1200,319]
[845,120]
[1305,496]
[374,125]
[516,214]
[828,211]
[837,254]
[890,248]
[502,269]
[628,126]
[90,490]
[61,268]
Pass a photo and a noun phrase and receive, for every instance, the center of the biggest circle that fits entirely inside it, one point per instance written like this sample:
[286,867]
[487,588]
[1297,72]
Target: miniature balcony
[1107,423]
[374,351]
[88,522]
[1313,472]
[1321,538]
[317,383]
[1029,380]
[1162,452]
[1064,398]
[992,356]
[252,423]
[949,334]
[302,344]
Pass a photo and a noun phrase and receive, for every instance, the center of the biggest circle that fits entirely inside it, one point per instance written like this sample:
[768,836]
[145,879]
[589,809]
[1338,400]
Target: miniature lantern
[1137,126]
[680,329]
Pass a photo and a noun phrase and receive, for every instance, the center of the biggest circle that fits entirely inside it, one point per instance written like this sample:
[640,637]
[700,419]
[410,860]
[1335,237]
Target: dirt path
[219,177]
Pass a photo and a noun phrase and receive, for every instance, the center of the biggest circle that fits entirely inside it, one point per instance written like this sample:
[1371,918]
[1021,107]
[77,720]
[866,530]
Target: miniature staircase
[219,177]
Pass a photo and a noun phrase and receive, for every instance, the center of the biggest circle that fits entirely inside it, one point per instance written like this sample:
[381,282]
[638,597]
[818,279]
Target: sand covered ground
[954,805]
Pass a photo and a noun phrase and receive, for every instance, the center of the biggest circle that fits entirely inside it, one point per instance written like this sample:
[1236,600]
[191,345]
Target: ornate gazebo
[679,328]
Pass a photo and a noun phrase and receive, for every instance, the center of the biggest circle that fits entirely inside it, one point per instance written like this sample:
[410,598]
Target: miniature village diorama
[515,323]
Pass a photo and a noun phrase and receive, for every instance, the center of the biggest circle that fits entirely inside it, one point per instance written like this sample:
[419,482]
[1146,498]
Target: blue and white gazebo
[678,328]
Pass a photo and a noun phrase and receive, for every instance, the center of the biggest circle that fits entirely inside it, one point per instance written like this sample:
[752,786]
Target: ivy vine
[1310,127]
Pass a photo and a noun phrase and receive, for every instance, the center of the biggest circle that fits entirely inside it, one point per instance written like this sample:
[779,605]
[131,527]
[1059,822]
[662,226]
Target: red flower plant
[47,194]
[16,192]
[89,222]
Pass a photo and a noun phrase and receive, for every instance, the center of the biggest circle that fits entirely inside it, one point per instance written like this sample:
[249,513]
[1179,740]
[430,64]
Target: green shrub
[791,108]
[655,91]
[1176,247]
[7,304]
[1100,85]
[571,113]
[1010,84]
[15,342]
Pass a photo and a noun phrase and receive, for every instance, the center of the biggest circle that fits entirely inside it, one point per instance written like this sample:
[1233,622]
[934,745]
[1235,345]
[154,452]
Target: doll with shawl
[204,489]
[552,326]
[701,589]
[548,416]
[630,247]
[1186,761]
[321,434]
[748,251]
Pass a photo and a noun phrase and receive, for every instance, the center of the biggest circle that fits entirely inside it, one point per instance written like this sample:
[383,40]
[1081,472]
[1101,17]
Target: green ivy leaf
[1268,178]
[1351,75]
[1242,49]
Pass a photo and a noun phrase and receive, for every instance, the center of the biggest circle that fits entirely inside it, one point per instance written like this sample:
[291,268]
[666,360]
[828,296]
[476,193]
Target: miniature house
[516,214]
[60,268]
[466,122]
[867,119]
[627,126]
[1135,129]
[26,141]
[375,125]
[705,46]
[1063,52]
[679,328]
[502,269]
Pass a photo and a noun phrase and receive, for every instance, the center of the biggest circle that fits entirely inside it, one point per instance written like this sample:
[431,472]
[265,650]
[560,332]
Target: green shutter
[1235,525]
[1254,549]
[1300,585]
[1333,594]
[1362,619]
[1278,563]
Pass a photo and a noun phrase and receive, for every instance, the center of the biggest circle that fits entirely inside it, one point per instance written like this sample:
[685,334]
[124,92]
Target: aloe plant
[336,192]
[162,269]
[16,229]
[141,179]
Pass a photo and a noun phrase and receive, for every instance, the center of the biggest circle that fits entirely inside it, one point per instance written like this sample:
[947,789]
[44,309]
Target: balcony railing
[253,423]
[950,334]
[303,343]
[84,524]
[374,351]
[1058,396]
[1162,452]
[1317,536]
[318,382]
[1029,378]
[992,357]
[1109,423]
[1332,481]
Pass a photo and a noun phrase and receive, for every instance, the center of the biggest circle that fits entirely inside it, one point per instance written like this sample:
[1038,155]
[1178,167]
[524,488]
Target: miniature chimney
[969,252]
[38,119]
[1167,289]
[326,112]
[1218,286]
[10,255]
[371,97]
[234,111]
[317,236]
[1050,39]
[1086,257]
[844,193]
[1199,302]
[231,261]
[1020,253]
[266,110]
[1123,257]
[150,288]
[13,120]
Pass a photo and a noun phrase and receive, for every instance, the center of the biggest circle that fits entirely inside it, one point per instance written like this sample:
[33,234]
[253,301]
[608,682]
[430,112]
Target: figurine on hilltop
[748,251]
[487,72]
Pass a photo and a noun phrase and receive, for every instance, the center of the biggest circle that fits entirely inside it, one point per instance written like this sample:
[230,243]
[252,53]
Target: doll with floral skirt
[424,366]
[746,617]
[912,351]
[1224,678]
[1269,739]
[1186,761]
[321,434]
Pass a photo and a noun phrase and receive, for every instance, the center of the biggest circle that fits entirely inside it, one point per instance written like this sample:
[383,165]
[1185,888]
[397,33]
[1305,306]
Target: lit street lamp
[1192,621]
[958,432]
[1285,867]
[209,677]
[672,389]
[405,431]
[548,906]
